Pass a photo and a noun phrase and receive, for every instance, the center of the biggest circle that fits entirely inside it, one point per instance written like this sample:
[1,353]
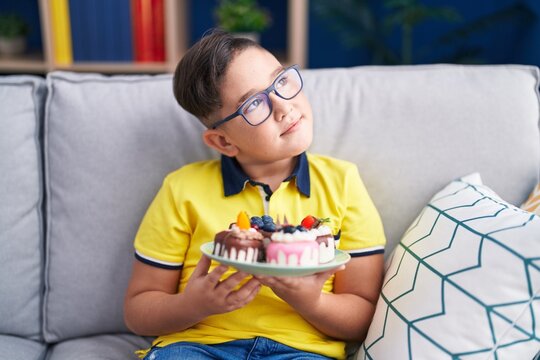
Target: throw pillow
[533,202]
[464,282]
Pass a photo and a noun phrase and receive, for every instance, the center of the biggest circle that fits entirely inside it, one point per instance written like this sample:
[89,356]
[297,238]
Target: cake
[219,242]
[259,239]
[325,240]
[293,246]
[266,227]
[323,237]
[241,243]
[264,224]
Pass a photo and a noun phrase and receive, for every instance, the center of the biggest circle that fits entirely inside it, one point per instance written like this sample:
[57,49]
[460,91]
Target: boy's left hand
[301,292]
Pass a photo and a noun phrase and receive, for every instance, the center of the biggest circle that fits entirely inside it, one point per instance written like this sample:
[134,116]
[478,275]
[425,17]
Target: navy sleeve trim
[366,253]
[155,263]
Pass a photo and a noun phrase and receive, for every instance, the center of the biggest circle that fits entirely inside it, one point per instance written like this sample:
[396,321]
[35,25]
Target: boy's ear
[218,141]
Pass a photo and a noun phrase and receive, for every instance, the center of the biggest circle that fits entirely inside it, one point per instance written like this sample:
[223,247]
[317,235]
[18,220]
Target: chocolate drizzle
[219,242]
[324,239]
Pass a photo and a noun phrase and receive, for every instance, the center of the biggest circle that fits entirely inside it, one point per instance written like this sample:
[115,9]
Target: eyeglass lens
[258,108]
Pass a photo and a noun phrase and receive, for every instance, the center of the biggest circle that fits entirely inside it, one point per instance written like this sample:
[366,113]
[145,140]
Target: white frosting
[217,249]
[327,253]
[245,256]
[294,237]
[322,230]
[250,234]
[236,228]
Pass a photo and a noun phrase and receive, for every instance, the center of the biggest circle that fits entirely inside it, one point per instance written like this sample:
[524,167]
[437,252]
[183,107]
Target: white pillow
[464,282]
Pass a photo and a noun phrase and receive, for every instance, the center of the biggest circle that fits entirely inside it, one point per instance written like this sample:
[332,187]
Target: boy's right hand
[213,296]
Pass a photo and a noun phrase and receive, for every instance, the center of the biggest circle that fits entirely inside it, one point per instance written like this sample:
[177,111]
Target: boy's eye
[253,105]
[282,82]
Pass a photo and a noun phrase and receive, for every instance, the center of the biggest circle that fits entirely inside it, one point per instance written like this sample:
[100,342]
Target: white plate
[276,270]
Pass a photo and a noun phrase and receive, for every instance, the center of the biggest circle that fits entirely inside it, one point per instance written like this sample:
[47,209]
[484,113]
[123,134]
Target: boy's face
[289,129]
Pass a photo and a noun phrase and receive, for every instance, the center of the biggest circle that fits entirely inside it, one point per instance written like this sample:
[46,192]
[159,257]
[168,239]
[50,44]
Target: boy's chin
[299,148]
[305,141]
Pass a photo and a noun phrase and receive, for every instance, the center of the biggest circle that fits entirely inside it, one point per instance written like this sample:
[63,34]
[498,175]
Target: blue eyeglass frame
[267,91]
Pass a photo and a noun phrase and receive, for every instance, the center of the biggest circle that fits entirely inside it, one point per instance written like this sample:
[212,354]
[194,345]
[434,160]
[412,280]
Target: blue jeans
[249,349]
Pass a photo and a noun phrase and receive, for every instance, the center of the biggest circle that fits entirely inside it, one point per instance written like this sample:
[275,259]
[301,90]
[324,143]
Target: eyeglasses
[257,108]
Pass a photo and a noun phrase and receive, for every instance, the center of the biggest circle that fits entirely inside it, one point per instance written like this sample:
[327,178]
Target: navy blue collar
[234,178]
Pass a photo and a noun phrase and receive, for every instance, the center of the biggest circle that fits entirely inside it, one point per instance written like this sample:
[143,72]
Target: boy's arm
[154,307]
[345,314]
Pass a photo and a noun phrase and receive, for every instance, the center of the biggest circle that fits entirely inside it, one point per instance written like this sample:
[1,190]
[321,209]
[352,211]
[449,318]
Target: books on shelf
[108,31]
[61,32]
[101,30]
[149,34]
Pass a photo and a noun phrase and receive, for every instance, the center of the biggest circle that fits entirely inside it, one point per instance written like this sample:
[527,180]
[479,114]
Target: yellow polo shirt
[199,200]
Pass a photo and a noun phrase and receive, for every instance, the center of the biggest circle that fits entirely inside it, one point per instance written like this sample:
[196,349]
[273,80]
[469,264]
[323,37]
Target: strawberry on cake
[323,237]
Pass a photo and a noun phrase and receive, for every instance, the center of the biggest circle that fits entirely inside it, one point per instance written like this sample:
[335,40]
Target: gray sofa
[82,156]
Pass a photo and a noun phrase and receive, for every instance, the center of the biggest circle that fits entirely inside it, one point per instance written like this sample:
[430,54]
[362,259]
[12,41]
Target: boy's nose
[281,106]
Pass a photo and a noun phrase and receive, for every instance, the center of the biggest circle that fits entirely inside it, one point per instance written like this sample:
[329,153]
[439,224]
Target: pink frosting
[293,253]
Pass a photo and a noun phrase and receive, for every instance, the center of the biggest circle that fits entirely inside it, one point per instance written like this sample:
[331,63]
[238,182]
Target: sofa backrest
[413,129]
[21,195]
[110,140]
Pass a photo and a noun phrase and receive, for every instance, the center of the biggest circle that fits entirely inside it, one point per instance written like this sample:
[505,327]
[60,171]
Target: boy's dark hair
[199,74]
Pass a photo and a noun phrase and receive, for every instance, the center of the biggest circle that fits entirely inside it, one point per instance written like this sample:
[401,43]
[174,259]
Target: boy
[261,122]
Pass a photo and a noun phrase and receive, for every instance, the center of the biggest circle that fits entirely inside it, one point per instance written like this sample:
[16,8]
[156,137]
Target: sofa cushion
[21,224]
[14,347]
[412,128]
[99,347]
[463,282]
[110,141]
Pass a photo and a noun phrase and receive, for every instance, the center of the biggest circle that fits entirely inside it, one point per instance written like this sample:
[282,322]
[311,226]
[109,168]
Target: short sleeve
[163,236]
[362,231]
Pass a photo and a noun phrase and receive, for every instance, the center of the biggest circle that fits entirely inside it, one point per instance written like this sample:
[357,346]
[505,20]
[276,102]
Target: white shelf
[176,43]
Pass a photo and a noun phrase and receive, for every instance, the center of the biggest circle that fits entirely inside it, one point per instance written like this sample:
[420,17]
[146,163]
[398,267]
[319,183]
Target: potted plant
[13,31]
[242,18]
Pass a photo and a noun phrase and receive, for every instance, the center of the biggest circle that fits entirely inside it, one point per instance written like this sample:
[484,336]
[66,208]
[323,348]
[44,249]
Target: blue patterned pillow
[463,283]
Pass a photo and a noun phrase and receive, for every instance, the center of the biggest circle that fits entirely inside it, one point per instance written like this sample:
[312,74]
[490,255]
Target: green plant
[12,26]
[370,24]
[406,14]
[242,16]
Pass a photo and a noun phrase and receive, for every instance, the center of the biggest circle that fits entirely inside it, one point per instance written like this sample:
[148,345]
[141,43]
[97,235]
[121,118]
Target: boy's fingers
[248,290]
[216,274]
[252,286]
[254,291]
[267,280]
[239,276]
[251,295]
[230,283]
[202,267]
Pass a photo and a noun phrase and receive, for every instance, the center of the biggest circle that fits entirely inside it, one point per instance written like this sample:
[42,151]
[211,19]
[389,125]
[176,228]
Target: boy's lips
[292,127]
